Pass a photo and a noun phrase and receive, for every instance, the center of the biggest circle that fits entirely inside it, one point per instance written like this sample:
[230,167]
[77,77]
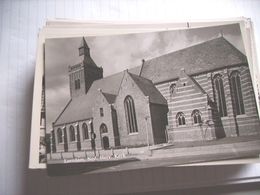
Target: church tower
[84,73]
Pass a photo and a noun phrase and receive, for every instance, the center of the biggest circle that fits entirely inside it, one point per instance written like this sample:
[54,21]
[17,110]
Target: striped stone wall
[187,99]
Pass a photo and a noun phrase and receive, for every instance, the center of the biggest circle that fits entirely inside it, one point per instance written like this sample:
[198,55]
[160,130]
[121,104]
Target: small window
[72,134]
[77,84]
[180,119]
[59,135]
[101,112]
[172,88]
[196,117]
[85,131]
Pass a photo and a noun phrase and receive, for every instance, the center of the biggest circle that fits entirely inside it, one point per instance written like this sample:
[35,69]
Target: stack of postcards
[120,96]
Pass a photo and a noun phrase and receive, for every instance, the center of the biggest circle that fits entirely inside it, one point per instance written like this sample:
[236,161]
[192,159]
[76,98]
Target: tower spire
[83,48]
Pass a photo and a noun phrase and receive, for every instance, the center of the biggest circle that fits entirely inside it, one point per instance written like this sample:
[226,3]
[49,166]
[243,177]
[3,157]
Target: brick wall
[185,98]
[74,74]
[128,87]
[106,119]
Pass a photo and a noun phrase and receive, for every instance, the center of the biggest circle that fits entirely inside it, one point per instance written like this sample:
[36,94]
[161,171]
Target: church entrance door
[105,141]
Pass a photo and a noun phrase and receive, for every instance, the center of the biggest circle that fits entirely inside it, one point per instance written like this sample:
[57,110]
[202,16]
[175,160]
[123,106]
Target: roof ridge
[179,50]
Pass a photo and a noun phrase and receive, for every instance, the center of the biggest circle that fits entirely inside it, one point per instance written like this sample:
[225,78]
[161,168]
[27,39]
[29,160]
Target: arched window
[85,131]
[237,93]
[196,117]
[103,128]
[180,119]
[59,135]
[72,133]
[172,88]
[130,114]
[220,95]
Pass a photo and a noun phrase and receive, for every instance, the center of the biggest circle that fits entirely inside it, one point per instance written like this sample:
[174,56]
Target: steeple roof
[83,43]
[85,57]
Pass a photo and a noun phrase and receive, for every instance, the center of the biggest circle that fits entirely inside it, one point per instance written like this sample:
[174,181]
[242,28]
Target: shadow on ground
[83,167]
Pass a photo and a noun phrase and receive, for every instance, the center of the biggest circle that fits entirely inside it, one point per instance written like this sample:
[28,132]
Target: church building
[202,92]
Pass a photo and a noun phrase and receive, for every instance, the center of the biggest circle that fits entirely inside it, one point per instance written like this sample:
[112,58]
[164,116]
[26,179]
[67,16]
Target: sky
[117,53]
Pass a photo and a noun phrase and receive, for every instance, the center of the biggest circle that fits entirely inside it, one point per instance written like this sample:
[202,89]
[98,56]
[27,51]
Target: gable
[185,80]
[148,89]
[186,85]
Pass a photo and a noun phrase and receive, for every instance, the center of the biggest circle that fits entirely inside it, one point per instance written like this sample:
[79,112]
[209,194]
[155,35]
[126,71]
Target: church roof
[203,57]
[148,89]
[109,97]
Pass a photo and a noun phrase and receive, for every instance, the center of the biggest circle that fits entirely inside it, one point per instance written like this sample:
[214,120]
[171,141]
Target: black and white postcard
[149,99]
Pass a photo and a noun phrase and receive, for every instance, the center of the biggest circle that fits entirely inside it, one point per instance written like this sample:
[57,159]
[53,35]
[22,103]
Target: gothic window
[196,117]
[180,119]
[130,114]
[237,93]
[220,95]
[172,88]
[72,134]
[103,128]
[85,131]
[77,84]
[59,135]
